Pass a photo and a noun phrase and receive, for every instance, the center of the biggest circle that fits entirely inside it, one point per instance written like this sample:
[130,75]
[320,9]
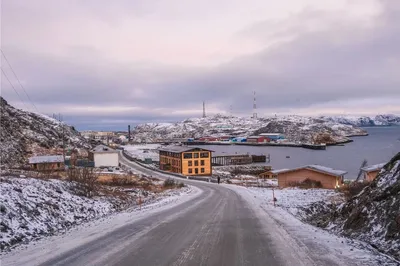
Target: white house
[102,155]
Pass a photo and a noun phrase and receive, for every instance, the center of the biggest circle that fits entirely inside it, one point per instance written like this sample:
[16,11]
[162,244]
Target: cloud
[106,65]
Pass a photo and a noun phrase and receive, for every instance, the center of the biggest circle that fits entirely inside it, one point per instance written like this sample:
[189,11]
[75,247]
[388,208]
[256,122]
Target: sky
[106,64]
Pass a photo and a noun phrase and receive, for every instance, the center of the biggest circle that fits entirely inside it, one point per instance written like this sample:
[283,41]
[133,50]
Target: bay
[379,146]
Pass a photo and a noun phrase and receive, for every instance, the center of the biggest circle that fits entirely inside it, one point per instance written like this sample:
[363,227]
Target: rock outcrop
[372,216]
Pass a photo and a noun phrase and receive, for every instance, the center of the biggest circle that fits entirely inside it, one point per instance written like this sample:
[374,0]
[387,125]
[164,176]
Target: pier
[239,159]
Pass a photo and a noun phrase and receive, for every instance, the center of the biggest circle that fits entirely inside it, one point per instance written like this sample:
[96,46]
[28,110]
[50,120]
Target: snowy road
[217,225]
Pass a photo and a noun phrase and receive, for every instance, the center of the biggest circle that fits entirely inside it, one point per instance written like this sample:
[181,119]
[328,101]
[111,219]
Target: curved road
[217,227]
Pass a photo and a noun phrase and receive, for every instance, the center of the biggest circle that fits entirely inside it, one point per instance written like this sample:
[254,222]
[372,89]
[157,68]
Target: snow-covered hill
[295,128]
[24,133]
[365,121]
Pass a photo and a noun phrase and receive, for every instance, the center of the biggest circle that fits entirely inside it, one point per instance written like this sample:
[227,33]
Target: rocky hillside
[295,128]
[24,134]
[365,121]
[372,216]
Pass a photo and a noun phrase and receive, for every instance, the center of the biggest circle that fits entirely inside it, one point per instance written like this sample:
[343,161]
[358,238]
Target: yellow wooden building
[186,160]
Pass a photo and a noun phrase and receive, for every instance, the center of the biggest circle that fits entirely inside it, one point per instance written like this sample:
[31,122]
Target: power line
[15,75]
[14,89]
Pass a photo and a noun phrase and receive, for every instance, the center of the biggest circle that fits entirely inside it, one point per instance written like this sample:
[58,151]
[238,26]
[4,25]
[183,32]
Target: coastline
[269,144]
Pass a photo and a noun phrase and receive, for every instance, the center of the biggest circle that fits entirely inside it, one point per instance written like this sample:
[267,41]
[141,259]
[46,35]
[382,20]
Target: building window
[58,165]
[196,170]
[204,155]
[190,163]
[202,162]
[202,170]
[196,155]
[190,170]
[187,155]
[196,163]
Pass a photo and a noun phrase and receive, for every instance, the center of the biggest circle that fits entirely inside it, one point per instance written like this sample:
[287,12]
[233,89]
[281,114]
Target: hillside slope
[296,128]
[24,133]
[372,216]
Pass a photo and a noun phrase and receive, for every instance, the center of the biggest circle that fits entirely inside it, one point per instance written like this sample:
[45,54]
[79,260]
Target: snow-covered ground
[143,151]
[33,208]
[320,244]
[49,247]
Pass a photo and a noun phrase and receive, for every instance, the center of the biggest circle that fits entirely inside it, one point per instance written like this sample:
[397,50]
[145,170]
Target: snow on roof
[327,170]
[47,159]
[318,168]
[179,149]
[102,149]
[278,171]
[374,167]
[253,137]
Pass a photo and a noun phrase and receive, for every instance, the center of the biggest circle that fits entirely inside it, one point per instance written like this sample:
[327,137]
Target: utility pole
[62,134]
[204,109]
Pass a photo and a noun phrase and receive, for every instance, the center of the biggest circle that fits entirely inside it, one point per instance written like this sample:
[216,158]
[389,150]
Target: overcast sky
[106,64]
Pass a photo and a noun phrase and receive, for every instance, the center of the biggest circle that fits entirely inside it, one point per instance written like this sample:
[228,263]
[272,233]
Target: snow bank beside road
[293,199]
[311,242]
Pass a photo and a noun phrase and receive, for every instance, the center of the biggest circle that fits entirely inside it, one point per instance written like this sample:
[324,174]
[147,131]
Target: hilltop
[295,128]
[365,121]
[25,133]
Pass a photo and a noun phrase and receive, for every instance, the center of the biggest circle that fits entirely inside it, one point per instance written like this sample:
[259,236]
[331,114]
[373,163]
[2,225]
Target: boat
[287,156]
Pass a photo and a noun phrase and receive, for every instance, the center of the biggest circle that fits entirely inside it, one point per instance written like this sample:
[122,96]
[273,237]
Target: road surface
[216,227]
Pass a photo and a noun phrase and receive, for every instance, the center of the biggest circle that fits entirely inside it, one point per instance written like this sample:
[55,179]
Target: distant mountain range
[295,128]
[365,121]
[24,134]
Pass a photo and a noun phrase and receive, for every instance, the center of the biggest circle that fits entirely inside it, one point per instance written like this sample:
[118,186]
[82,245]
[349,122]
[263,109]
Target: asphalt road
[216,228]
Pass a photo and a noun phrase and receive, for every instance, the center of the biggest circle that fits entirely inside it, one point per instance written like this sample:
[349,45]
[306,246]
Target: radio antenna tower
[230,110]
[204,109]
[254,106]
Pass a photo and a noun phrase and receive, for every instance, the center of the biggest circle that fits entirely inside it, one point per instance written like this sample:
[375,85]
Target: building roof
[179,149]
[47,159]
[253,137]
[102,149]
[278,171]
[314,167]
[326,170]
[374,167]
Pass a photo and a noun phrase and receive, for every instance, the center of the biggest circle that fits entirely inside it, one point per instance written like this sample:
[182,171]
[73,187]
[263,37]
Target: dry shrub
[307,183]
[86,177]
[121,180]
[169,183]
[352,189]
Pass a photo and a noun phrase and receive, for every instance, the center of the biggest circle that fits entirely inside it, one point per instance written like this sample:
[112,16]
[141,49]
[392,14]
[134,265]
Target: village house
[258,139]
[273,136]
[329,178]
[208,138]
[370,172]
[103,156]
[185,160]
[47,162]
